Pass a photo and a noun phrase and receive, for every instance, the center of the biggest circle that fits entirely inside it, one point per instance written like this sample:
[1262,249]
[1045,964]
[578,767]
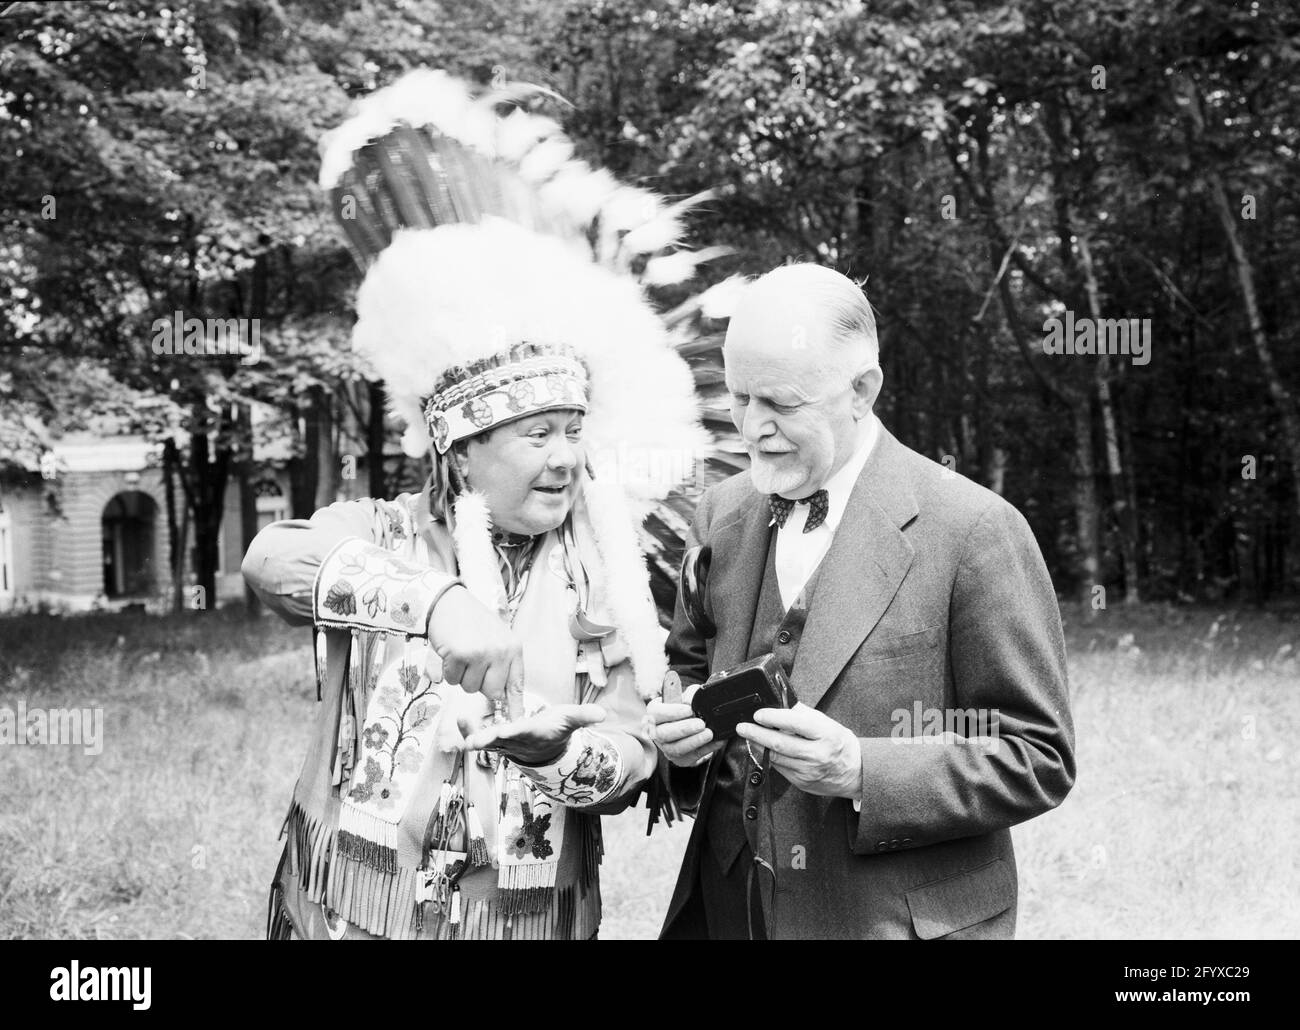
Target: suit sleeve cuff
[862,783]
[588,771]
[361,585]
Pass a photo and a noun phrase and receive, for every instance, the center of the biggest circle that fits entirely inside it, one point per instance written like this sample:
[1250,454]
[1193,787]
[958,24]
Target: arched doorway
[272,505]
[128,531]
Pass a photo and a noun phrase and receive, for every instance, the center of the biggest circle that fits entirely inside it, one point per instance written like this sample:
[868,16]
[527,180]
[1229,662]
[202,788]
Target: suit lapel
[736,578]
[860,574]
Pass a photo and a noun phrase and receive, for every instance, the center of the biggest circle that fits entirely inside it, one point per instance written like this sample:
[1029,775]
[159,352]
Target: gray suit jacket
[933,605]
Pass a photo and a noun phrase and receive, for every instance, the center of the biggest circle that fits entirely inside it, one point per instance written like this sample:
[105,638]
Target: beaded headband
[527,379]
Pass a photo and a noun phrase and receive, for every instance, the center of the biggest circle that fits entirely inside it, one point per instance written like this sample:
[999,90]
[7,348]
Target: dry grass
[1185,821]
[170,832]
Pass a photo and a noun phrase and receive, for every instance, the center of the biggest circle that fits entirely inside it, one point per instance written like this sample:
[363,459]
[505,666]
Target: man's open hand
[536,739]
[809,748]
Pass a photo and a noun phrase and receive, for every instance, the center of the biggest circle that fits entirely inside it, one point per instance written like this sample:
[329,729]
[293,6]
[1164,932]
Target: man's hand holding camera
[680,734]
[809,748]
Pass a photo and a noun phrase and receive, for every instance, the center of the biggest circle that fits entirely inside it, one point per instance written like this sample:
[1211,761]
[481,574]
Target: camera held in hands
[731,697]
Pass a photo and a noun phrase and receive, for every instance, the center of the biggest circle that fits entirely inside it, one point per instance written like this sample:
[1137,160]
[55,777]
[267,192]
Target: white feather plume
[627,593]
[678,267]
[720,300]
[472,535]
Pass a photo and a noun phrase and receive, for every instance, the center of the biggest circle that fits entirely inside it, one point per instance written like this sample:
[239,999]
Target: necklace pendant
[583,628]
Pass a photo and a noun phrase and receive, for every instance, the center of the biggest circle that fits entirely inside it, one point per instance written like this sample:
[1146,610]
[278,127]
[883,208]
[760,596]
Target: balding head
[811,308]
[803,370]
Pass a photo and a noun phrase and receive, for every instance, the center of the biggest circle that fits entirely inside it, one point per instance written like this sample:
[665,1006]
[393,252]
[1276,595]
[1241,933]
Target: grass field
[1184,822]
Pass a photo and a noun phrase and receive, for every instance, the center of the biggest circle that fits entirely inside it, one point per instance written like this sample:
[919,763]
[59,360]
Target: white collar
[839,488]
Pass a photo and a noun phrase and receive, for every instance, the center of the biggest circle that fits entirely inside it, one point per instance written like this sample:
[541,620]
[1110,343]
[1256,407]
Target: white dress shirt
[798,553]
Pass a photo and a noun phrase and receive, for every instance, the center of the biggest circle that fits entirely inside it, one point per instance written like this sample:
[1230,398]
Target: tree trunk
[175,540]
[995,470]
[1281,397]
[304,470]
[245,467]
[1133,512]
[184,543]
[1283,402]
[375,441]
[1123,506]
[1121,503]
[208,486]
[245,476]
[1086,511]
[328,472]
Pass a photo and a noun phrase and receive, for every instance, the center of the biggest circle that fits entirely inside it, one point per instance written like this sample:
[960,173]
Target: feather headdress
[504,277]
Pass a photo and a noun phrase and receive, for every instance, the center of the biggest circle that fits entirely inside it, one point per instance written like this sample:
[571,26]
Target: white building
[108,546]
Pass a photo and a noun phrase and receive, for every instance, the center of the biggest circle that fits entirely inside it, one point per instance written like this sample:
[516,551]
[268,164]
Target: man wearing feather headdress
[485,647]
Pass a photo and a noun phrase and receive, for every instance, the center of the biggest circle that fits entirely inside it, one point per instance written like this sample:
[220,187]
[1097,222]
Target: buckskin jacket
[372,849]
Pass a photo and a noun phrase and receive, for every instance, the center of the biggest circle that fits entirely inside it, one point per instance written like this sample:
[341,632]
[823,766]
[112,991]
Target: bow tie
[781,508]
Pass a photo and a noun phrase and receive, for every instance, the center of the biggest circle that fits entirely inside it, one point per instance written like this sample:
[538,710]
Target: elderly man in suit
[913,615]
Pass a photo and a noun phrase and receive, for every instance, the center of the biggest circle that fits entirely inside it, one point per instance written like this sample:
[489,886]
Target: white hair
[852,337]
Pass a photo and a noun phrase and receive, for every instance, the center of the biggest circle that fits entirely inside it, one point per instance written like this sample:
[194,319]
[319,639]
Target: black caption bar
[164,979]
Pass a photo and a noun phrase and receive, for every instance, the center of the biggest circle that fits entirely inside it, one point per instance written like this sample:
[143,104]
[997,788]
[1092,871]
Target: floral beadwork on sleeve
[588,772]
[363,586]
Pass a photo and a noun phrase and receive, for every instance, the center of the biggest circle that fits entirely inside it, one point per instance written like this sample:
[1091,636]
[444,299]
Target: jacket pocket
[885,648]
[964,899]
